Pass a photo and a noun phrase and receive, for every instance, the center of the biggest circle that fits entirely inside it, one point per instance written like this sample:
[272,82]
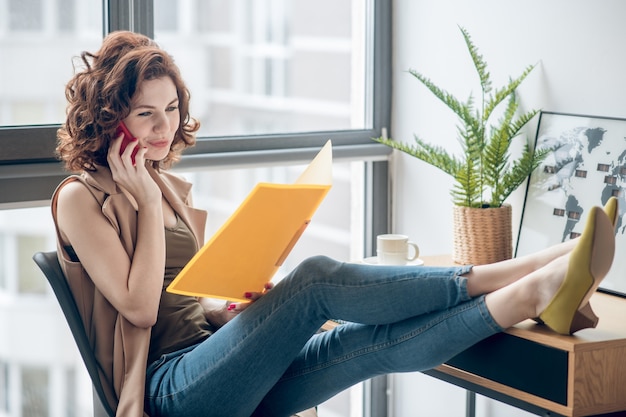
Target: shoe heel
[584,318]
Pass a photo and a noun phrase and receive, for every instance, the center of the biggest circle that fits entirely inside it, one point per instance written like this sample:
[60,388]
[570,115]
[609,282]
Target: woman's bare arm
[132,288]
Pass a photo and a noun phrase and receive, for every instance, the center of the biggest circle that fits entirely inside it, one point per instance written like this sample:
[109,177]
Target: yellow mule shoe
[585,317]
[589,263]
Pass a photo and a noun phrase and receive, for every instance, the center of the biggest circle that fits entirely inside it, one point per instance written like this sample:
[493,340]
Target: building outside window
[269,66]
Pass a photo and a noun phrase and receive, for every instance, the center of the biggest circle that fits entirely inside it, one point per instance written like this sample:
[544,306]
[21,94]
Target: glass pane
[35,387]
[24,232]
[38,36]
[270,66]
[31,281]
[25,15]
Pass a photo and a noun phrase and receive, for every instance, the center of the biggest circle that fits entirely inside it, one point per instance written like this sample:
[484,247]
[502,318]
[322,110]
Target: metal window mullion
[377,390]
[381,103]
[134,15]
[377,213]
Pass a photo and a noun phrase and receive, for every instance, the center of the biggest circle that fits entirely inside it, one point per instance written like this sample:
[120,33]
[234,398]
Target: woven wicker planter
[482,235]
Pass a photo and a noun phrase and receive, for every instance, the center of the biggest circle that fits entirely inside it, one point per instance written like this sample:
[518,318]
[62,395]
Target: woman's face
[154,116]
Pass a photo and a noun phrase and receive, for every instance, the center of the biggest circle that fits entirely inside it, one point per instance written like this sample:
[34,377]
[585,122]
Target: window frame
[29,170]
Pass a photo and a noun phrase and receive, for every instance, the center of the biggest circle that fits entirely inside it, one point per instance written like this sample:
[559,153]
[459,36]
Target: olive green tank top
[180,321]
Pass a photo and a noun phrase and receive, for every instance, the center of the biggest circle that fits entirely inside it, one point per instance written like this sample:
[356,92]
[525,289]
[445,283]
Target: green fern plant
[484,175]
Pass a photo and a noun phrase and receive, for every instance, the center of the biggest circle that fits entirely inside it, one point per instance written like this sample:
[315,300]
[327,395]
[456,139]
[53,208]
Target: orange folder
[245,253]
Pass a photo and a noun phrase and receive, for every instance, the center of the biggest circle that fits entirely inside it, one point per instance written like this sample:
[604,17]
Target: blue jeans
[270,360]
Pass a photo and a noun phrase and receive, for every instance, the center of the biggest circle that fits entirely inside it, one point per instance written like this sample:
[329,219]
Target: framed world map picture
[586,168]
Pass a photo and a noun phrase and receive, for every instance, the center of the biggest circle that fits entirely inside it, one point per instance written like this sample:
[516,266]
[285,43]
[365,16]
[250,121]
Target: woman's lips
[159,143]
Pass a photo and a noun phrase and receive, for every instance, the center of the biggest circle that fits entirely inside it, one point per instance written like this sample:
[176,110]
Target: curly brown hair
[99,98]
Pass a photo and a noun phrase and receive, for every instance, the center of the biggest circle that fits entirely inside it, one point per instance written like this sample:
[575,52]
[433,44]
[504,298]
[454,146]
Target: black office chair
[49,265]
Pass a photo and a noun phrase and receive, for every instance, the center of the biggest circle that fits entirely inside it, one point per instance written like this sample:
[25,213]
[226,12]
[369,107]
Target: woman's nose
[162,124]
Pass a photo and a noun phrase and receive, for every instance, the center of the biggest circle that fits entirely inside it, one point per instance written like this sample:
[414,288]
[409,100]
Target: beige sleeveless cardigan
[120,348]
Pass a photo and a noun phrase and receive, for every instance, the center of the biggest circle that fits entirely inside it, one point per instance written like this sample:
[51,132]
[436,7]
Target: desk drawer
[527,366]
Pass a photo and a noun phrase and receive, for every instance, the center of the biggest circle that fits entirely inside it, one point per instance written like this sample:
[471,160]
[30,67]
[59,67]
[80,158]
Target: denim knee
[316,267]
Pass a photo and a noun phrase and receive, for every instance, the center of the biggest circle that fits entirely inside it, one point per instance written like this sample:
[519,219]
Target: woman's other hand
[219,313]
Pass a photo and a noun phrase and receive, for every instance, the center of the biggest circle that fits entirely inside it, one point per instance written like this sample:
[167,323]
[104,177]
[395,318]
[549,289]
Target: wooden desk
[533,368]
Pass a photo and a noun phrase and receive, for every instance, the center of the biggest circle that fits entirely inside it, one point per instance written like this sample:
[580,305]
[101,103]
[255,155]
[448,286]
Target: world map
[586,167]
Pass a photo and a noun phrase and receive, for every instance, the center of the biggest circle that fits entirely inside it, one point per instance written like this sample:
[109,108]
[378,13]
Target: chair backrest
[49,265]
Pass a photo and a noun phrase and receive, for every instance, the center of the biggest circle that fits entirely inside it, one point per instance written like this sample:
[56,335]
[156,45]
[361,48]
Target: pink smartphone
[128,138]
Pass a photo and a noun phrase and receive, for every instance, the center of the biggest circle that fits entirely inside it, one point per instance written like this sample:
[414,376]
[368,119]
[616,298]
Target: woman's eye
[172,108]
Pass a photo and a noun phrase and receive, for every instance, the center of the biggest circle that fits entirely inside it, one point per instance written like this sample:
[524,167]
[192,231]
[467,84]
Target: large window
[271,81]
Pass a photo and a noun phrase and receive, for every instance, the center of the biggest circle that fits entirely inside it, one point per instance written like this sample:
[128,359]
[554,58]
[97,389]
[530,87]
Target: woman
[122,222]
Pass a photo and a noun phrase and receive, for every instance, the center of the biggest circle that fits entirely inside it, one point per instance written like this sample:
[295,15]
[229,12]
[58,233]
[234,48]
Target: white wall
[579,45]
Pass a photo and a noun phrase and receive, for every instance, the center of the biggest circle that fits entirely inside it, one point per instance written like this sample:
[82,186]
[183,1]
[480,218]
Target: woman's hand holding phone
[133,176]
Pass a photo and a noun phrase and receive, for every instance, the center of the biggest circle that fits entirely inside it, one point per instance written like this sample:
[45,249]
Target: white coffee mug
[393,249]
